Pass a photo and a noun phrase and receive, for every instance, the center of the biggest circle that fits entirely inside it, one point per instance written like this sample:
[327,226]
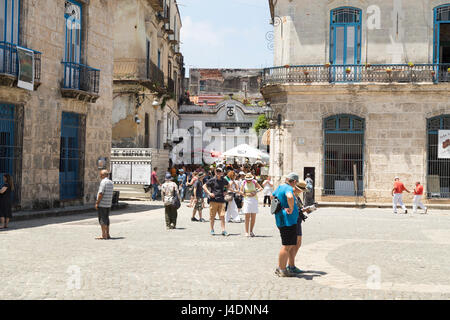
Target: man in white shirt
[103,203]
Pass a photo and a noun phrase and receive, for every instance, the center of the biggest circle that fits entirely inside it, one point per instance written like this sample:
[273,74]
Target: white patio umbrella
[246,151]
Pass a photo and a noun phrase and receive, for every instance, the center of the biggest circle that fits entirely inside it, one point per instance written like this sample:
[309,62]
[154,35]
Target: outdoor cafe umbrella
[244,151]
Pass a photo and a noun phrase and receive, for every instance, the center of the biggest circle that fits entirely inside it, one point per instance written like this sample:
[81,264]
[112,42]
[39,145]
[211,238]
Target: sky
[225,33]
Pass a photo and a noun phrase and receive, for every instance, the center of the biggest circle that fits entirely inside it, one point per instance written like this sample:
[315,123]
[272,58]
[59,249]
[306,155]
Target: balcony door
[441,41]
[9,35]
[72,19]
[345,43]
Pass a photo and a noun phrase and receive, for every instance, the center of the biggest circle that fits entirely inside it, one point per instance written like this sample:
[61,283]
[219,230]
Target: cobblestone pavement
[346,253]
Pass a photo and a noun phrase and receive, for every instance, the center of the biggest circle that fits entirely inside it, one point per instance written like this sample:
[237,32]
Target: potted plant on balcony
[388,71]
[433,73]
[327,65]
[448,70]
[368,65]
[286,66]
[348,70]
[410,64]
[306,72]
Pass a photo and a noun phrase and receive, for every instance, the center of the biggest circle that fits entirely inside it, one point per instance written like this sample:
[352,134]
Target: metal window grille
[11,130]
[343,155]
[346,15]
[71,166]
[443,13]
[438,170]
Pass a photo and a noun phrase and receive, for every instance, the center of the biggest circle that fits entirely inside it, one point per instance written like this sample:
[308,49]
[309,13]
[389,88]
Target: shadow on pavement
[310,274]
[76,217]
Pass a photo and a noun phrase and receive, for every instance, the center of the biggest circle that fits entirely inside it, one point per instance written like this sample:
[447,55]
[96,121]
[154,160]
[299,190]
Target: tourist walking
[197,197]
[268,190]
[169,190]
[5,201]
[250,187]
[182,180]
[232,214]
[190,187]
[286,220]
[418,192]
[155,183]
[397,194]
[215,188]
[104,203]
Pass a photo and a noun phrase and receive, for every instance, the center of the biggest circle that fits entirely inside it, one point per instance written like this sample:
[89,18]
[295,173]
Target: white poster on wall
[141,173]
[444,144]
[26,68]
[121,173]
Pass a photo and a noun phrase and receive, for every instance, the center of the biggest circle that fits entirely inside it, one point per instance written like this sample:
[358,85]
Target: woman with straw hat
[250,187]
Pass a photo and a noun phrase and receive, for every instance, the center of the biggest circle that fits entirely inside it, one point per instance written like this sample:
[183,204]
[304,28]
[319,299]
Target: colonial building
[208,131]
[55,98]
[209,86]
[360,92]
[148,76]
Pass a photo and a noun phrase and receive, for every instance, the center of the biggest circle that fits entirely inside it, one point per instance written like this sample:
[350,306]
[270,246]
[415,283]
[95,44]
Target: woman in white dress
[250,187]
[232,214]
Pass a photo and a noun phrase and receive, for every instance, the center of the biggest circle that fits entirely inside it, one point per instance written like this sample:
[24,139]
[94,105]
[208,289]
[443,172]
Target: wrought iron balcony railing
[376,73]
[81,77]
[9,62]
[155,74]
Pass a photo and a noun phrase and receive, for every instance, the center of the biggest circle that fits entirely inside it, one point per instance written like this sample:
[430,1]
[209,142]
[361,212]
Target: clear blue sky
[225,33]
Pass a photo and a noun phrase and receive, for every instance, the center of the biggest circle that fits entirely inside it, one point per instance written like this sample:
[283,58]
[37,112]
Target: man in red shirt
[418,192]
[397,194]
[155,183]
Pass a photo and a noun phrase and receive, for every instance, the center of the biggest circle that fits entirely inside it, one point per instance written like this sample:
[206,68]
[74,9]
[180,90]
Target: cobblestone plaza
[346,254]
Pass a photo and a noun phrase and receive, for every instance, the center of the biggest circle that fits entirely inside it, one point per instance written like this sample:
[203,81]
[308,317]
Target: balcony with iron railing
[80,82]
[9,65]
[140,72]
[369,73]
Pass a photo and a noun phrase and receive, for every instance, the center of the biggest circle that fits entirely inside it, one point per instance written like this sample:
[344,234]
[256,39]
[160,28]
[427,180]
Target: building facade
[208,131]
[211,85]
[361,92]
[53,133]
[148,76]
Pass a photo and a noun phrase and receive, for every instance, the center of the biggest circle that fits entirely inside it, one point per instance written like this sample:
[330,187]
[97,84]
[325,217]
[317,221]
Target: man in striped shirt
[103,204]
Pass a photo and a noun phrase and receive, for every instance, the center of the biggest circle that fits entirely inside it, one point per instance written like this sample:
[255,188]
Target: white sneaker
[426,210]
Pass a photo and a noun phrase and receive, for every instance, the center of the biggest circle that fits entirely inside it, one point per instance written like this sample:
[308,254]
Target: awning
[265,139]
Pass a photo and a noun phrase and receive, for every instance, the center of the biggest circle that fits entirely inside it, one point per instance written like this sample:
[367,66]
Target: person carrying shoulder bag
[171,198]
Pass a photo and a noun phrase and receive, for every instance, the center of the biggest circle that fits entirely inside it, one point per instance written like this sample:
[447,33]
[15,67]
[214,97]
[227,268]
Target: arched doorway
[343,155]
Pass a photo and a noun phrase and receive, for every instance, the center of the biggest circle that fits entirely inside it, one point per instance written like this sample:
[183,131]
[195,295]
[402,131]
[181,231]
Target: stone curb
[29,215]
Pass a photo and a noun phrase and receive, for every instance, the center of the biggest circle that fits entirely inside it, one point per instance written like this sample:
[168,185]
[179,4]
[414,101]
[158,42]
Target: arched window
[438,157]
[345,36]
[343,155]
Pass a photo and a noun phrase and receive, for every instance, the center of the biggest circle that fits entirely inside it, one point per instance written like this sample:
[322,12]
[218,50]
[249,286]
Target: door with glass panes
[72,69]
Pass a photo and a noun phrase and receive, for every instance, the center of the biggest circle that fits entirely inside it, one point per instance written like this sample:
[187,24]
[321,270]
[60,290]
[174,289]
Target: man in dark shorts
[103,203]
[198,197]
[286,221]
[218,185]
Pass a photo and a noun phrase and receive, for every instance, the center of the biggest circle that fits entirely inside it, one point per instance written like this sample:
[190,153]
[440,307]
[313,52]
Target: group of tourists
[229,191]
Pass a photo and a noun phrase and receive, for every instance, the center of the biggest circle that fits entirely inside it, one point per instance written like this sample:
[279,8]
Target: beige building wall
[43,29]
[136,22]
[395,141]
[393,31]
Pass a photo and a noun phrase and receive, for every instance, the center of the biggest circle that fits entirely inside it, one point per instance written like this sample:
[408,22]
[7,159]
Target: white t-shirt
[268,187]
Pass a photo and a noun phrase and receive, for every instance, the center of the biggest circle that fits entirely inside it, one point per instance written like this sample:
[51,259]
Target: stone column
[288,147]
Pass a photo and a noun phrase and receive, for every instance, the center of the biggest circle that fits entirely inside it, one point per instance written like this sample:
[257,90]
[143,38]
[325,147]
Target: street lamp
[268,111]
